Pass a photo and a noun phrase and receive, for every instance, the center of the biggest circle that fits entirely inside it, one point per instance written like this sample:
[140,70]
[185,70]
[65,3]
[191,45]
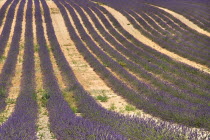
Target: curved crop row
[207,92]
[11,60]
[144,62]
[128,64]
[22,123]
[152,56]
[3,10]
[140,98]
[88,106]
[63,122]
[197,15]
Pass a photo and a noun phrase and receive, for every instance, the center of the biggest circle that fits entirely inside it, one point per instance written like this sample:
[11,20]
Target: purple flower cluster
[131,127]
[190,46]
[156,100]
[63,122]
[197,13]
[180,94]
[8,69]
[22,123]
[3,10]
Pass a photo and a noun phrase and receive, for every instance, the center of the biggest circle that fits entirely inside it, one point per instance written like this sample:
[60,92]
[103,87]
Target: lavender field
[104,69]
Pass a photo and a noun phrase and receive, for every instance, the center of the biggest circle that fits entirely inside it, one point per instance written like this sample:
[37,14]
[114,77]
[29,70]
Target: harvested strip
[125,24]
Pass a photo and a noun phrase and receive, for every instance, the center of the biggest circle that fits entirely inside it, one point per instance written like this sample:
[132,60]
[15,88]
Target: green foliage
[34,96]
[36,47]
[99,3]
[91,137]
[44,97]
[2,92]
[74,109]
[123,64]
[112,107]
[105,64]
[102,98]
[130,108]
[10,101]
[2,58]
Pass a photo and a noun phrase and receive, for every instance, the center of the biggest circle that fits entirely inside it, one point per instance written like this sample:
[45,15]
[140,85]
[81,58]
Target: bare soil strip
[13,92]
[185,21]
[84,73]
[125,24]
[3,58]
[43,130]
[87,77]
[15,84]
[2,3]
[94,39]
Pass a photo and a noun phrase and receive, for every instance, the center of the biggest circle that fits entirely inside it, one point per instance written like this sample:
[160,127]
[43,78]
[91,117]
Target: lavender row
[188,30]
[3,10]
[131,127]
[63,122]
[147,63]
[136,58]
[137,99]
[136,3]
[185,43]
[185,71]
[7,27]
[22,123]
[8,69]
[154,10]
[166,42]
[127,63]
[178,32]
[201,19]
[140,86]
[196,10]
[119,8]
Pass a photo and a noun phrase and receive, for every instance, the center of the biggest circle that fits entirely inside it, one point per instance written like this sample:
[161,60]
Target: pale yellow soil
[43,130]
[89,33]
[84,73]
[16,80]
[185,21]
[10,38]
[2,3]
[125,24]
[13,94]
